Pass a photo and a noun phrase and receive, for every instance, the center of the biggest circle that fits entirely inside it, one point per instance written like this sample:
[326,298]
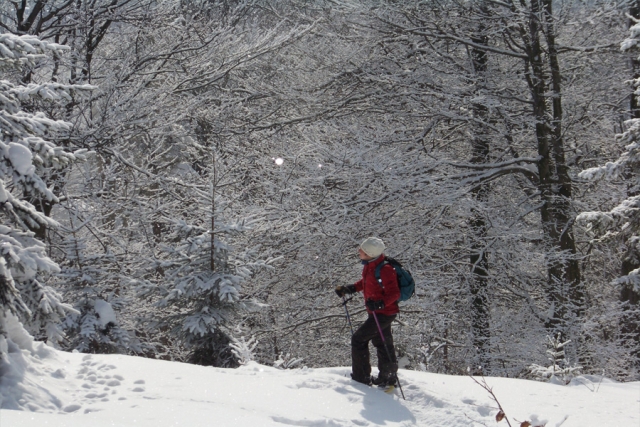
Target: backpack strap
[377,272]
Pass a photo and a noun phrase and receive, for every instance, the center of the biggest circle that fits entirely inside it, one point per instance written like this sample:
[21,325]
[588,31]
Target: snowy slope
[50,388]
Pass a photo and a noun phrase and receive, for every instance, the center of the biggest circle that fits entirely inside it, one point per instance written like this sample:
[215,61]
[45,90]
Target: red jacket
[388,291]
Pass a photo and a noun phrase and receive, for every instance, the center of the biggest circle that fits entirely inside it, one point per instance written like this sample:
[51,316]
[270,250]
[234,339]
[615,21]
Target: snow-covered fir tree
[622,223]
[28,155]
[198,278]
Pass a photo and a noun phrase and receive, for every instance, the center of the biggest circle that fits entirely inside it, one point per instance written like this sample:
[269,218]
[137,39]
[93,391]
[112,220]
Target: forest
[190,179]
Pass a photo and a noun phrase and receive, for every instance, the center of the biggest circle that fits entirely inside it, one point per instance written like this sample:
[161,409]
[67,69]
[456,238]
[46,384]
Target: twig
[501,414]
[475,421]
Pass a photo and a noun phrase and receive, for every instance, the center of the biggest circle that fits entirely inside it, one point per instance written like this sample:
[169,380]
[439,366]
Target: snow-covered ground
[44,387]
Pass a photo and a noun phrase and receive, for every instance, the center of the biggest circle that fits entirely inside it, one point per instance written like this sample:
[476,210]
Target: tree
[199,292]
[480,154]
[88,277]
[621,224]
[29,154]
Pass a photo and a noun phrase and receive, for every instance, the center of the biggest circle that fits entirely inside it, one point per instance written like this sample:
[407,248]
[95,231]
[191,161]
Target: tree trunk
[564,288]
[478,260]
[634,103]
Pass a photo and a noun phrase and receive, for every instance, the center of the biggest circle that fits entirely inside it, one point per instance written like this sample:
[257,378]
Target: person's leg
[387,367]
[360,364]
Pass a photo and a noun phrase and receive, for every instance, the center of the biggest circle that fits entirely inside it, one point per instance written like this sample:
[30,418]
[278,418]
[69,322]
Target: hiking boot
[365,380]
[385,380]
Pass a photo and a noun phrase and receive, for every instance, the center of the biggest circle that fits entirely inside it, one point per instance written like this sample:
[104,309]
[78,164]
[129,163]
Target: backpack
[405,280]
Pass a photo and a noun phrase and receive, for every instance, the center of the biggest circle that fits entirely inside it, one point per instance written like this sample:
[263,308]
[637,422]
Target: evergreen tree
[29,155]
[622,223]
[198,287]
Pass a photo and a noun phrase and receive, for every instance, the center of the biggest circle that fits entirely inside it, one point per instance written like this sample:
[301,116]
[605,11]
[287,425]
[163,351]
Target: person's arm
[360,285]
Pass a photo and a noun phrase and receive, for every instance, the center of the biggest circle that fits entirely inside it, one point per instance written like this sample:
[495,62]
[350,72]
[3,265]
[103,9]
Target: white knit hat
[372,246]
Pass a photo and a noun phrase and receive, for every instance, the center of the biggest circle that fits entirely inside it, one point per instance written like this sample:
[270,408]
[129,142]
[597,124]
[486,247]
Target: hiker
[381,299]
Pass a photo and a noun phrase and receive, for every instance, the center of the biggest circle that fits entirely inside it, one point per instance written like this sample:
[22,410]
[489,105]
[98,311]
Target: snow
[632,40]
[61,389]
[20,158]
[105,313]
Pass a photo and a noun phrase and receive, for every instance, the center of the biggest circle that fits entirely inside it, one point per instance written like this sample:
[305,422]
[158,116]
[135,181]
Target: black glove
[343,290]
[374,305]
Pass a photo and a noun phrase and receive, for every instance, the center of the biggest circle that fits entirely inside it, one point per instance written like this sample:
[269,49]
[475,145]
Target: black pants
[360,364]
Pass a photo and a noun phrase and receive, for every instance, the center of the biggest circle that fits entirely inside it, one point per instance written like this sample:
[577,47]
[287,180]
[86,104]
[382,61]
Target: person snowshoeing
[382,298]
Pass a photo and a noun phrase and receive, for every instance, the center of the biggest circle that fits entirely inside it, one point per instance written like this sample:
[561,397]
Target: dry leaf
[500,416]
[525,424]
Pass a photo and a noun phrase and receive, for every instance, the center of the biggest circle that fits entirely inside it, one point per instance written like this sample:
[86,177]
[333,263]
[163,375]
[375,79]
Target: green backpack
[405,280]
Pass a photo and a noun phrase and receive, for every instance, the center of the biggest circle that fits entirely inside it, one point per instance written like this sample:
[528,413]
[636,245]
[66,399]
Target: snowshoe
[386,383]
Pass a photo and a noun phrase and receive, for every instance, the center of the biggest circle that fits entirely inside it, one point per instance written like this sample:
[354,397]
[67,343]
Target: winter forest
[189,180]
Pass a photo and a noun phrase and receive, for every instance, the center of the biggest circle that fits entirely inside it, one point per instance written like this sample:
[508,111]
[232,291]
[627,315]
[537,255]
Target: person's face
[363,256]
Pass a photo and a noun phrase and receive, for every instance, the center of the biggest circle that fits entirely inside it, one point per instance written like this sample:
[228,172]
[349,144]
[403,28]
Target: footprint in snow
[60,373]
[106,367]
[71,408]
[95,395]
[139,389]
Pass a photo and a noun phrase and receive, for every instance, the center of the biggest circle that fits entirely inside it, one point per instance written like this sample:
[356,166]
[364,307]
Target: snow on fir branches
[626,166]
[27,154]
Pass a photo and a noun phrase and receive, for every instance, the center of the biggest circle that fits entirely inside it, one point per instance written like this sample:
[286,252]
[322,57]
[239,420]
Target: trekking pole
[344,302]
[388,353]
